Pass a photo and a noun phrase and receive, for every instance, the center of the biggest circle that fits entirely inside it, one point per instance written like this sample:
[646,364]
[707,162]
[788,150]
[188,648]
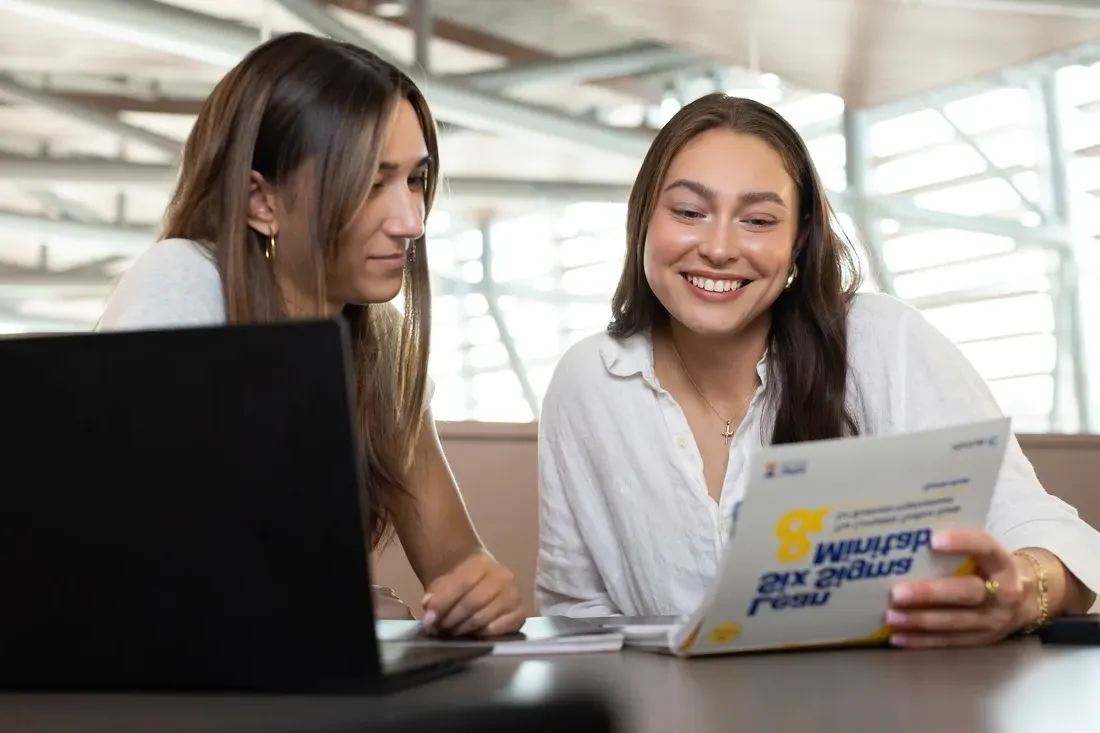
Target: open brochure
[826,528]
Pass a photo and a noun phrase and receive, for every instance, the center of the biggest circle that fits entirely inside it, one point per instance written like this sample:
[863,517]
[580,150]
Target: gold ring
[991,588]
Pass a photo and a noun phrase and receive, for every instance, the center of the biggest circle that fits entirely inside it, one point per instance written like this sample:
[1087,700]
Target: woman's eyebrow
[747,198]
[389,166]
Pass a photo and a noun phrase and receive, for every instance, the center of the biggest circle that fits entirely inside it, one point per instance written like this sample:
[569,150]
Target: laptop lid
[180,509]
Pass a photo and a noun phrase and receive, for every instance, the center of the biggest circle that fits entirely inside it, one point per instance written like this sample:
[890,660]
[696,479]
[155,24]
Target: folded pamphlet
[826,528]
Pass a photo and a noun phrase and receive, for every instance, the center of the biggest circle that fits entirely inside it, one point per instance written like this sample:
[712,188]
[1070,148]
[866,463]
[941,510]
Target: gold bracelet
[1041,583]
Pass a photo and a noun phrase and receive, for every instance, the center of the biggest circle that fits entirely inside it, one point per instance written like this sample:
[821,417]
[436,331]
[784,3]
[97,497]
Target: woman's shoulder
[878,320]
[174,282]
[874,312]
[182,255]
[594,367]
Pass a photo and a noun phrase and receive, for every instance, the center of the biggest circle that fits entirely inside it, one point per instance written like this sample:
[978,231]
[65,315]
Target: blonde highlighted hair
[301,100]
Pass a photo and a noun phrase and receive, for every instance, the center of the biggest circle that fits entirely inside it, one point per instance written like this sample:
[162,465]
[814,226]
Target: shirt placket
[688,456]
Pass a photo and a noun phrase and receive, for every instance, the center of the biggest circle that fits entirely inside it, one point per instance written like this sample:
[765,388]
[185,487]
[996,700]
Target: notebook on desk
[538,636]
[180,511]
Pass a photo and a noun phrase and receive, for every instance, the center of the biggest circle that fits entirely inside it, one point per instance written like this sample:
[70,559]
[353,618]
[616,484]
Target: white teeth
[714,286]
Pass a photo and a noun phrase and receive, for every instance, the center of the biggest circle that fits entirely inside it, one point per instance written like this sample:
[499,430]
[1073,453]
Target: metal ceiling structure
[541,108]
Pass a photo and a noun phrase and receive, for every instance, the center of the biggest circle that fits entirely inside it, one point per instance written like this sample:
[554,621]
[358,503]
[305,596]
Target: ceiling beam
[466,105]
[896,207]
[634,59]
[1077,9]
[109,172]
[98,171]
[1016,76]
[171,29]
[154,25]
[496,45]
[122,239]
[86,114]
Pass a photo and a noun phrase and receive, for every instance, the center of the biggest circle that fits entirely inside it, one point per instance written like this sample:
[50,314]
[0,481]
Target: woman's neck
[725,364]
[296,304]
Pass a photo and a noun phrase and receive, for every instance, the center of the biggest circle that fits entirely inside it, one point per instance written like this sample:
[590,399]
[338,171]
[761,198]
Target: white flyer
[825,528]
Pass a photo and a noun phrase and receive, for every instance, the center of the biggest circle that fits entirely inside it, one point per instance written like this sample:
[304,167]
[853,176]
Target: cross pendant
[727,433]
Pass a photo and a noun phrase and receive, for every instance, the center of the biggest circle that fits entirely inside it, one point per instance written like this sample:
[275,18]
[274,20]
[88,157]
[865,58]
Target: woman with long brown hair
[736,323]
[303,193]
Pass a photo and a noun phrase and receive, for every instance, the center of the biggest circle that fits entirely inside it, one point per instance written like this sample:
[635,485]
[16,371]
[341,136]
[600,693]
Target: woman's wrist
[1035,609]
[1062,592]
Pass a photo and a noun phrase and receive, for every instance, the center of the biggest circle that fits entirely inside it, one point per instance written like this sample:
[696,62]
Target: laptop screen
[181,509]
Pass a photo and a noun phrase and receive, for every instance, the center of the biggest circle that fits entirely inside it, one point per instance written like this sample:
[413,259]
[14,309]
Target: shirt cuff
[1075,544]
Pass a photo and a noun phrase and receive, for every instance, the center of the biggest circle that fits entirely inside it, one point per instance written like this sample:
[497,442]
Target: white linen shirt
[626,523]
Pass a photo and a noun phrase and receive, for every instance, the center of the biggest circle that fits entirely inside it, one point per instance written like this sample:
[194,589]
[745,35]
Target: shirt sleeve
[429,393]
[173,284]
[567,583]
[939,387]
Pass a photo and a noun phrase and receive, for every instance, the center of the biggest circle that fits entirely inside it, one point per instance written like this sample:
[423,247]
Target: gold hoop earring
[792,276]
[269,250]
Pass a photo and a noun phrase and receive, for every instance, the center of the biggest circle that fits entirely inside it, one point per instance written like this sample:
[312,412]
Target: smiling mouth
[715,286]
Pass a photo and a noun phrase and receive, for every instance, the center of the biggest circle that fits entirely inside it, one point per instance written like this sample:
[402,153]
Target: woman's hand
[477,597]
[388,606]
[968,610]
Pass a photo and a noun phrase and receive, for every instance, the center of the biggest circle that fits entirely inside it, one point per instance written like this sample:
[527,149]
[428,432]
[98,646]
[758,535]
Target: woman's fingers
[990,555]
[988,619]
[959,610]
[968,590]
[917,640]
[472,597]
[481,619]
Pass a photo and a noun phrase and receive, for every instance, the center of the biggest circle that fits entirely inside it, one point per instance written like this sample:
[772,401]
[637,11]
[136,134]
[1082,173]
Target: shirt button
[682,442]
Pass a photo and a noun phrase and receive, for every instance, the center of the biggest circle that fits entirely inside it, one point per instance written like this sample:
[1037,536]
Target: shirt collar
[633,355]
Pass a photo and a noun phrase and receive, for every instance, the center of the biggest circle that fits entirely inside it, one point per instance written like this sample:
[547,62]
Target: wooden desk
[1016,687]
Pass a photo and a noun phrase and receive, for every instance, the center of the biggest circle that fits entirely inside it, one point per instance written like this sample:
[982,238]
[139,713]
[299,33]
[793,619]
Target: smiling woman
[303,193]
[736,323]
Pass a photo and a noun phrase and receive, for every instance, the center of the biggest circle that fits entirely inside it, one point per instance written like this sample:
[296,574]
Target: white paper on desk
[586,644]
[826,528]
[538,636]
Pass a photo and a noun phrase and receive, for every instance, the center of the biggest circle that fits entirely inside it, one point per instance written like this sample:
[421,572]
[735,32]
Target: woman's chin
[375,294]
[714,325]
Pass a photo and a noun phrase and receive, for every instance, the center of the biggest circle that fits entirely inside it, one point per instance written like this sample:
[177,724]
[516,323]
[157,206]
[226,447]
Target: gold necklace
[728,432]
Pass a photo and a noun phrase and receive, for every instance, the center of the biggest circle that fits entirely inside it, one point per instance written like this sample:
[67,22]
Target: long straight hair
[295,102]
[808,340]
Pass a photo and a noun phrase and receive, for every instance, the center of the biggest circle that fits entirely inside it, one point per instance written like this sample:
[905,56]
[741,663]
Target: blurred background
[960,140]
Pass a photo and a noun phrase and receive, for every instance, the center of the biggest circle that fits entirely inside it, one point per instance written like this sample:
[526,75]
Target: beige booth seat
[496,466]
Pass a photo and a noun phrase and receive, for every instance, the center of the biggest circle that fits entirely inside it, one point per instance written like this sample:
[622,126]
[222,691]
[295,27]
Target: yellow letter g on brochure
[792,530]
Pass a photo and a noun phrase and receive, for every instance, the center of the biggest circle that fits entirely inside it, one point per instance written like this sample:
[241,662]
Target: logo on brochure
[948,484]
[726,633]
[784,468]
[988,442]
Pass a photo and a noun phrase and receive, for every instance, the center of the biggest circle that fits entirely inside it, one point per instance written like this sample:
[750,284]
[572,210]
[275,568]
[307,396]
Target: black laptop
[179,510]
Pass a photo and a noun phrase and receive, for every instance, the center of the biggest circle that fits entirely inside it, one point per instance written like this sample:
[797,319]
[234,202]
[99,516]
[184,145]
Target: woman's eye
[420,181]
[687,214]
[759,223]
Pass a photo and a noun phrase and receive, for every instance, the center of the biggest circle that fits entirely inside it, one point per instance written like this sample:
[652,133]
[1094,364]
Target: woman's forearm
[1049,583]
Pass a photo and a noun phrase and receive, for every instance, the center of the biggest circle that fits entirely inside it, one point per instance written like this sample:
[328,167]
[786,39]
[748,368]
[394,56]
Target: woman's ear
[261,206]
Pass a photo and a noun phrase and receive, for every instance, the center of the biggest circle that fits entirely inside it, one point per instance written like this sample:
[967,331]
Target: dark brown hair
[807,343]
[301,101]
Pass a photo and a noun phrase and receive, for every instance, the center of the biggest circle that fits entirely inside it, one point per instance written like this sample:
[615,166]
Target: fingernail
[898,639]
[427,597]
[429,619]
[940,541]
[901,594]
[895,618]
